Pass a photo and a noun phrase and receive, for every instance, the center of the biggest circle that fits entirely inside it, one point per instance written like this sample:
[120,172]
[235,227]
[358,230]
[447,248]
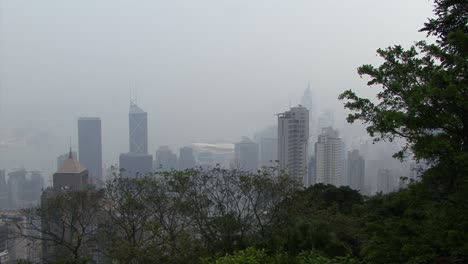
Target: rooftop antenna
[136,92]
[133,97]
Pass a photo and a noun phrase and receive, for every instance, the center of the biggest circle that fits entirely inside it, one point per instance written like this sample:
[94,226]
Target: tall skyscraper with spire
[136,161]
[90,147]
[138,129]
[307,101]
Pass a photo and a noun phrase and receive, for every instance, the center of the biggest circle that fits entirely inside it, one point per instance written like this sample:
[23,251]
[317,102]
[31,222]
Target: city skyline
[205,77]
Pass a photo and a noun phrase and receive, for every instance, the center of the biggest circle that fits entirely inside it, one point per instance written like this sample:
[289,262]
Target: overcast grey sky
[206,70]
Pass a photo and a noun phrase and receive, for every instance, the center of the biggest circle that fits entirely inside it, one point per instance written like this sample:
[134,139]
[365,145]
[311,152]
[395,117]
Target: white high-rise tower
[329,155]
[293,135]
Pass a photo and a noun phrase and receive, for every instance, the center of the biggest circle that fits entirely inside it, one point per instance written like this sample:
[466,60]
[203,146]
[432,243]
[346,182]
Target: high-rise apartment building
[329,158]
[186,158]
[293,135]
[355,170]
[385,181]
[90,147]
[246,155]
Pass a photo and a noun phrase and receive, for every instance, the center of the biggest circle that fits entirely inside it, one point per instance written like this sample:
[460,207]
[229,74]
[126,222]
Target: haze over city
[205,71]
[233,132]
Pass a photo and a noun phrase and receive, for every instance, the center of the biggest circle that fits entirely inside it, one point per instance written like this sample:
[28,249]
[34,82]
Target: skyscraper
[138,129]
[246,154]
[293,135]
[307,101]
[355,170]
[385,181]
[268,151]
[186,158]
[133,165]
[3,191]
[137,161]
[329,158]
[90,147]
[165,159]
[268,146]
[16,182]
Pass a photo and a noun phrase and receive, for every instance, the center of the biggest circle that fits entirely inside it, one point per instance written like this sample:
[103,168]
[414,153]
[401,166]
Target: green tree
[65,223]
[424,94]
[254,256]
[423,98]
[318,218]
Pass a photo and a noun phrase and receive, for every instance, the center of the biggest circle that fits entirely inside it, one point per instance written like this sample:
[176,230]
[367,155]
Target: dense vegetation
[229,216]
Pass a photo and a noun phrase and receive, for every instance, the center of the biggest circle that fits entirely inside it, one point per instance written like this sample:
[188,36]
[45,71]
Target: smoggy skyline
[210,70]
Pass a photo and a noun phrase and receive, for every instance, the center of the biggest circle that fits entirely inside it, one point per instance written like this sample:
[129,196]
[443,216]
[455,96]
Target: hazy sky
[206,70]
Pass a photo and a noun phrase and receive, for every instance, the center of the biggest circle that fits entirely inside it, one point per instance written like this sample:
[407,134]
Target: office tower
[133,165]
[33,188]
[205,159]
[90,147]
[268,146]
[307,101]
[16,183]
[62,158]
[3,192]
[165,159]
[329,158]
[137,161]
[293,135]
[385,181]
[355,170]
[138,129]
[71,176]
[186,158]
[246,155]
[268,151]
[24,191]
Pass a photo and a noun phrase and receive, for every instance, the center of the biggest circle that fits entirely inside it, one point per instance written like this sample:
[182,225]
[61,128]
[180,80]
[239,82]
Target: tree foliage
[424,92]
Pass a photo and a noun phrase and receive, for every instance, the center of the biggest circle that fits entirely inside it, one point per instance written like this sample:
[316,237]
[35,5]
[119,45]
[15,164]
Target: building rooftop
[135,109]
[71,165]
[89,118]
